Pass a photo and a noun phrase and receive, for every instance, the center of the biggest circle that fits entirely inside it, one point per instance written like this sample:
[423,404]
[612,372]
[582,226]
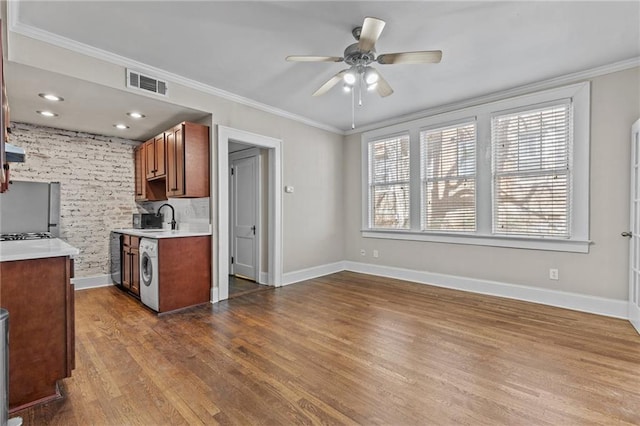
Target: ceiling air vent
[146,83]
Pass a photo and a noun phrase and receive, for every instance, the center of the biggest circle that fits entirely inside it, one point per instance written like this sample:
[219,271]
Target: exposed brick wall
[97,190]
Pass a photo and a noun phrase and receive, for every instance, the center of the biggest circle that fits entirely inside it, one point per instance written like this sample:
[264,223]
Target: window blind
[448,158]
[389,183]
[531,171]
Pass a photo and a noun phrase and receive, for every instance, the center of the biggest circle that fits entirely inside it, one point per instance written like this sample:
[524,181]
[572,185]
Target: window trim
[371,184]
[579,235]
[424,180]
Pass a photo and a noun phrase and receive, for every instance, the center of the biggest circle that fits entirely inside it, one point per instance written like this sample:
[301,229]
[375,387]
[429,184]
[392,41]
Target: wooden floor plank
[347,349]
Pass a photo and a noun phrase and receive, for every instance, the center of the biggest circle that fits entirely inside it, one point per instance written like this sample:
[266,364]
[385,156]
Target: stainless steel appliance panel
[30,207]
[54,209]
[115,252]
[147,221]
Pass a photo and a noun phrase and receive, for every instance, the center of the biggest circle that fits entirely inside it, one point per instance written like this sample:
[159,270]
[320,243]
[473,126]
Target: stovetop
[25,236]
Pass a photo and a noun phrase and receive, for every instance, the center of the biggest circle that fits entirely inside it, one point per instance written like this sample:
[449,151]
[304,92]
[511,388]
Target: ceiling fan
[361,55]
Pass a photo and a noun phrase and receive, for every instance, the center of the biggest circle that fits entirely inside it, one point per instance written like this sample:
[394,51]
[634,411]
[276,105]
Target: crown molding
[66,43]
[504,94]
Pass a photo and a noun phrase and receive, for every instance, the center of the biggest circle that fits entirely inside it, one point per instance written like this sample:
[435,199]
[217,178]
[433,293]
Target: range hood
[14,153]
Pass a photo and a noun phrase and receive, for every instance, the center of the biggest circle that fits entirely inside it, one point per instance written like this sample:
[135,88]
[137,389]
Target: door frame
[634,287]
[257,252]
[274,231]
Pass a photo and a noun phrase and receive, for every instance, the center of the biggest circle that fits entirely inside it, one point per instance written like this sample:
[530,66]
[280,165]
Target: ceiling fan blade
[383,87]
[371,30]
[422,57]
[330,83]
[308,58]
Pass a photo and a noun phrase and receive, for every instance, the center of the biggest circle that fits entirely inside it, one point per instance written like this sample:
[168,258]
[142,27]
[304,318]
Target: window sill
[549,244]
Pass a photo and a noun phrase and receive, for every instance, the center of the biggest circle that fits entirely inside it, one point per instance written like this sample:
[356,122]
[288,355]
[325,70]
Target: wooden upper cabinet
[155,152]
[188,160]
[140,175]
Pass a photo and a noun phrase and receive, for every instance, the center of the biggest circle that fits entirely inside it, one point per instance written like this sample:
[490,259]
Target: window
[531,172]
[389,183]
[448,157]
[512,172]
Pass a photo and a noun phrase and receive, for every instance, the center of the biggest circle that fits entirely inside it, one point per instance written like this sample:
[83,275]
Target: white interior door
[244,216]
[634,243]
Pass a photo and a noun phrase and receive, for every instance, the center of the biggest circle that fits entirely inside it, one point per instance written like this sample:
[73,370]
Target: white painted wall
[615,101]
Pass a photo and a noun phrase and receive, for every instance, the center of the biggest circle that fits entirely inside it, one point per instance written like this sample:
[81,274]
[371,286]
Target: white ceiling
[240,46]
[87,107]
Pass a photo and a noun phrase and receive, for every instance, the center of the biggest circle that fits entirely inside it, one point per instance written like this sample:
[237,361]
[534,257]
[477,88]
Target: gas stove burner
[25,236]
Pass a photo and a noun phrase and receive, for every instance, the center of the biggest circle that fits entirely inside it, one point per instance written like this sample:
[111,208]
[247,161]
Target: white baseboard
[263,278]
[577,302]
[95,281]
[313,272]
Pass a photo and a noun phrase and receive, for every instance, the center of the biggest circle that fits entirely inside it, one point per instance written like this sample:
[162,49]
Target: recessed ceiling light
[47,113]
[121,126]
[135,115]
[51,97]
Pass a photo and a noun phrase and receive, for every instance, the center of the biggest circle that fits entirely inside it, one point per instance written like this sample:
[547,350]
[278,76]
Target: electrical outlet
[363,252]
[553,274]
[375,253]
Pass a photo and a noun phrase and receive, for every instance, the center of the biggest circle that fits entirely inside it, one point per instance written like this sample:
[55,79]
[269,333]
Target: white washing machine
[149,294]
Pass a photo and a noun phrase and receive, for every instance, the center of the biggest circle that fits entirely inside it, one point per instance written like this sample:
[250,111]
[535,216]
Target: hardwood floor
[347,349]
[240,286]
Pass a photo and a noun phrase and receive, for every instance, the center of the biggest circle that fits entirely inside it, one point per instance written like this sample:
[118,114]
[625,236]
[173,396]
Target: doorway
[273,258]
[634,230]
[245,212]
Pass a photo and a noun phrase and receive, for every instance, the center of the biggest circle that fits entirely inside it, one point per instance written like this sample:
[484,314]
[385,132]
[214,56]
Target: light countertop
[35,249]
[162,233]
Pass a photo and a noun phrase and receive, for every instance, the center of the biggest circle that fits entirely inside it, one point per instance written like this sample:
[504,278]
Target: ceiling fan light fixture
[350,77]
[347,88]
[371,87]
[370,76]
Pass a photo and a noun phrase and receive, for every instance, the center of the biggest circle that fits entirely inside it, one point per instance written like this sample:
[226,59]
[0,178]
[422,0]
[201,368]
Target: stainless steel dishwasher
[115,252]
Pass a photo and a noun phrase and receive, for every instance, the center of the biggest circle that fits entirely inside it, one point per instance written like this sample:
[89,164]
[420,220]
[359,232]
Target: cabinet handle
[174,189]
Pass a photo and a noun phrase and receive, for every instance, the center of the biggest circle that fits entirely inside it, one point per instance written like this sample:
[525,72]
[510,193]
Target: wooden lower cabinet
[40,299]
[184,272]
[131,263]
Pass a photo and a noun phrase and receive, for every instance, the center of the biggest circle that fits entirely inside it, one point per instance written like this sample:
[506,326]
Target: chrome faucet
[173,214]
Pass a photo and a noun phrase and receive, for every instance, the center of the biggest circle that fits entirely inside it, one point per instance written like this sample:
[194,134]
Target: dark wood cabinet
[174,164]
[146,190]
[140,175]
[187,160]
[131,263]
[39,297]
[155,157]
[184,272]
[4,124]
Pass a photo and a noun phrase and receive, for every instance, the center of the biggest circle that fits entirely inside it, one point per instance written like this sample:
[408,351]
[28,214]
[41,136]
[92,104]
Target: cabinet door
[126,268]
[135,271]
[175,161]
[140,175]
[159,145]
[171,162]
[149,148]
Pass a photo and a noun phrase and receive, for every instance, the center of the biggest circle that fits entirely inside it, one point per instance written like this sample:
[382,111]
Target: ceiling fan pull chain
[353,110]
[361,82]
